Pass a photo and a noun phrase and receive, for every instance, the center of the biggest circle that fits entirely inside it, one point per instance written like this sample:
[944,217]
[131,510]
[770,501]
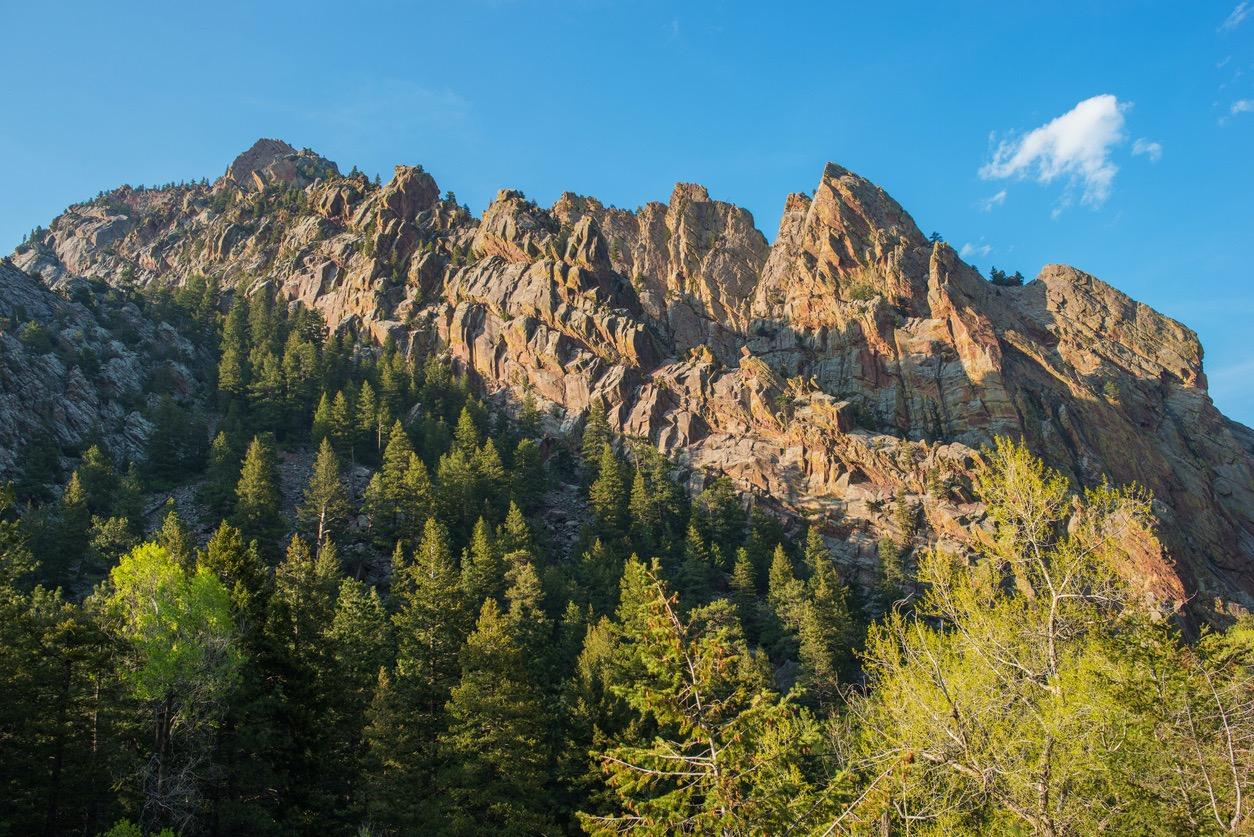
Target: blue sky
[1116,137]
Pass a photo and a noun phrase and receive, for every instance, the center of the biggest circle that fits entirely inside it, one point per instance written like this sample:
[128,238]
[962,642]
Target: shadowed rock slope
[847,372]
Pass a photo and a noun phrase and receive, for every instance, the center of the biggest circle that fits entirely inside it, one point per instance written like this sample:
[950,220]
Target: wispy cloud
[987,204]
[1242,106]
[1236,18]
[1075,146]
[1153,150]
[968,250]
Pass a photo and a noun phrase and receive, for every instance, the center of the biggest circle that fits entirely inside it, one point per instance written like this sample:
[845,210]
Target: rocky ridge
[847,371]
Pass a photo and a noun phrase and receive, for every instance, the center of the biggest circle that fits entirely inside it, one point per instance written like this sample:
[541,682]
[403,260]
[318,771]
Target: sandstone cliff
[847,371]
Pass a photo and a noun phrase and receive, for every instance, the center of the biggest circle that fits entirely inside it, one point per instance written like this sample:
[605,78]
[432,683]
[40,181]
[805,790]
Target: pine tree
[257,499]
[694,579]
[515,534]
[300,614]
[359,641]
[300,381]
[73,532]
[744,594]
[325,508]
[483,569]
[393,383]
[398,497]
[598,573]
[497,731]
[528,482]
[646,520]
[368,440]
[825,631]
[607,495]
[233,370]
[340,425]
[221,477]
[174,538]
[466,435]
[241,570]
[321,428]
[728,756]
[455,492]
[596,435]
[128,499]
[98,479]
[430,624]
[265,392]
[785,594]
[491,479]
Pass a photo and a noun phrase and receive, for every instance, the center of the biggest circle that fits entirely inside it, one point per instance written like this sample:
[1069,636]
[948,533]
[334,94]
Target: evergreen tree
[744,594]
[491,479]
[233,377]
[528,480]
[359,640]
[265,392]
[72,533]
[174,538]
[241,570]
[408,710]
[728,757]
[98,480]
[257,499]
[221,477]
[515,534]
[325,508]
[785,594]
[368,439]
[455,492]
[340,425]
[321,428]
[398,497]
[483,569]
[607,495]
[466,437]
[300,381]
[299,616]
[497,730]
[645,516]
[596,435]
[825,635]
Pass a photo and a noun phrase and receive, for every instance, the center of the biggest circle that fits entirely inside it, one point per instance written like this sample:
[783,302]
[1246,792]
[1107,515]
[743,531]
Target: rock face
[850,369]
[77,368]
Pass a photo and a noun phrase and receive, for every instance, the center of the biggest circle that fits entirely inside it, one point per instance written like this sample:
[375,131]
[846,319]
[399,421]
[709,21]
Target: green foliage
[728,755]
[257,499]
[325,508]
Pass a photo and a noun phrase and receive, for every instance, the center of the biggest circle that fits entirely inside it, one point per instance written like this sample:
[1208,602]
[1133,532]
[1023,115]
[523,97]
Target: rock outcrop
[78,368]
[845,372]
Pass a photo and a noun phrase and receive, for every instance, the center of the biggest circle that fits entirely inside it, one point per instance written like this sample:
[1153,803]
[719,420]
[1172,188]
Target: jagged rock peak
[270,161]
[410,191]
[689,191]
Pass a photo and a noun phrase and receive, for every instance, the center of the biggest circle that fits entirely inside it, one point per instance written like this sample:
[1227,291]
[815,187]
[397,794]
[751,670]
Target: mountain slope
[849,371]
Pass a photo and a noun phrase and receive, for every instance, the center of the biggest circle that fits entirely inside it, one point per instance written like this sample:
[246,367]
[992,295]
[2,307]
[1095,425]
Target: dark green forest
[469,623]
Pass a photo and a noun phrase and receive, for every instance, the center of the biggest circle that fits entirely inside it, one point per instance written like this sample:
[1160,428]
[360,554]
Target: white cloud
[1075,146]
[987,204]
[1153,150]
[1242,106]
[1239,14]
[968,250]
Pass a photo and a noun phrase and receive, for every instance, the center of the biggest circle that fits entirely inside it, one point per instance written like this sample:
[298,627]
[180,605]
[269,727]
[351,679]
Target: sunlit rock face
[849,367]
